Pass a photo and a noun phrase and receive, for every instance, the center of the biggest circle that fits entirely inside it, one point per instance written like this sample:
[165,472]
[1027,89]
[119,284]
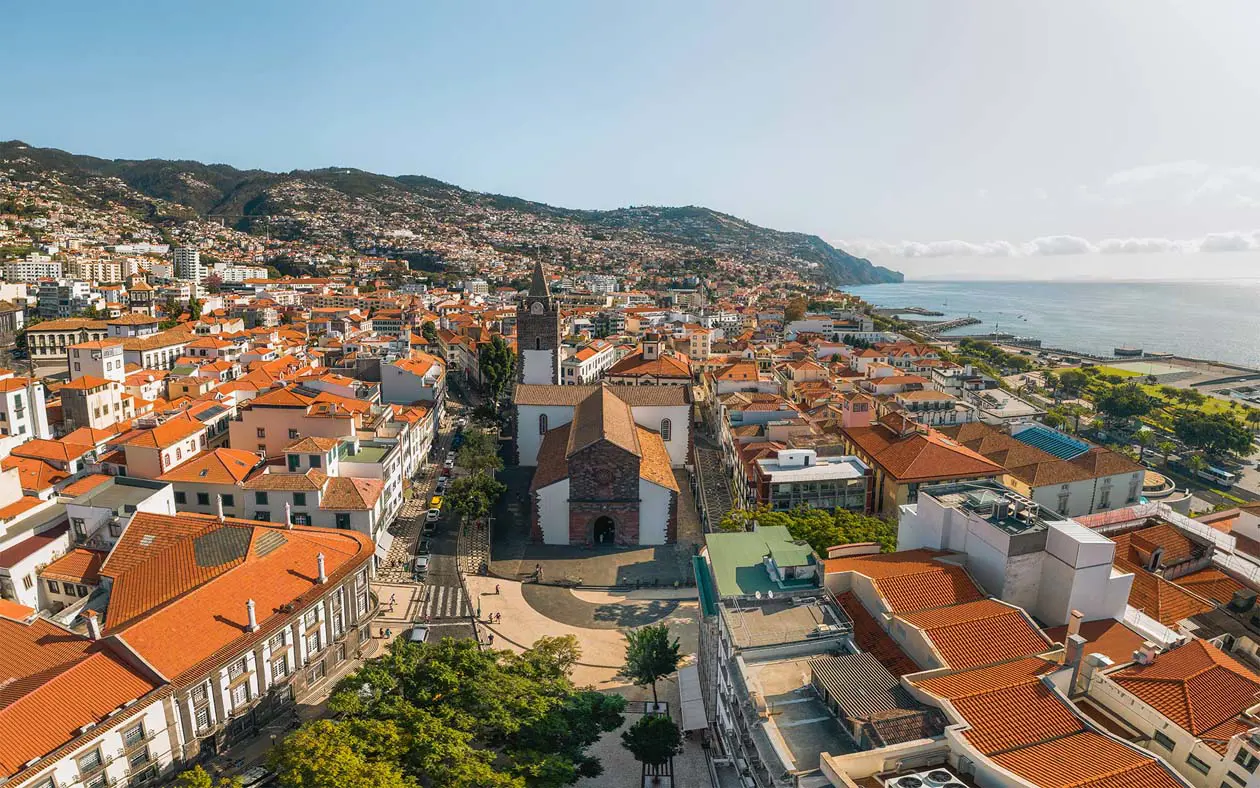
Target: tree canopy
[653,739]
[429,331]
[651,655]
[479,452]
[818,527]
[1215,433]
[473,496]
[197,777]
[497,364]
[1124,402]
[795,310]
[449,715]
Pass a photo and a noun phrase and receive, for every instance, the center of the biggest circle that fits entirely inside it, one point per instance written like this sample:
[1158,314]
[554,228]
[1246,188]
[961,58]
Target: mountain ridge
[360,209]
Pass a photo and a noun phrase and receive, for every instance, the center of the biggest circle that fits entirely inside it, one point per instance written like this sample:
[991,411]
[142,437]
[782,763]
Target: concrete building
[101,358]
[799,477]
[187,264]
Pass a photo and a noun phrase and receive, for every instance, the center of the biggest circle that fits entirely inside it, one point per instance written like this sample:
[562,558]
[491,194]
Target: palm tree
[1145,439]
[1196,464]
[1166,448]
[1253,418]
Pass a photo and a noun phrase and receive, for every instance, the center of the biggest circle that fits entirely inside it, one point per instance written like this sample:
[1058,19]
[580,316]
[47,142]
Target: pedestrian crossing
[444,602]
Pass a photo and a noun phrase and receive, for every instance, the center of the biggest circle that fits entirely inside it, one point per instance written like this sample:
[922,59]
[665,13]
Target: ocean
[1214,320]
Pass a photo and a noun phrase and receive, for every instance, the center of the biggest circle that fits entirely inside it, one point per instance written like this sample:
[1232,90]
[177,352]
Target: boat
[1127,352]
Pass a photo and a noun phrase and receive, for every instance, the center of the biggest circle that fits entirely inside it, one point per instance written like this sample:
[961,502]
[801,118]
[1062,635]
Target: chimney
[93,624]
[1147,653]
[288,515]
[1089,666]
[319,562]
[1074,623]
[218,507]
[253,619]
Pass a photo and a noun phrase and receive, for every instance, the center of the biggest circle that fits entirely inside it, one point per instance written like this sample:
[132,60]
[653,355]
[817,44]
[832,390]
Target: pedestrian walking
[490,642]
[497,590]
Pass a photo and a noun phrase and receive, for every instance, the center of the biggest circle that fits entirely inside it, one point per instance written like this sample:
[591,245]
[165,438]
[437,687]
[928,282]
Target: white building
[102,358]
[187,264]
[588,363]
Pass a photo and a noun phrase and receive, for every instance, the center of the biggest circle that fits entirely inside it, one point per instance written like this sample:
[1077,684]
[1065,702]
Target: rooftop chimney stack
[1074,623]
[253,619]
[218,507]
[93,624]
[319,562]
[288,515]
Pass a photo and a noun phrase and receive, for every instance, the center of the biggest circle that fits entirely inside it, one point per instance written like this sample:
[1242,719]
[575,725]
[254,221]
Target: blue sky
[913,129]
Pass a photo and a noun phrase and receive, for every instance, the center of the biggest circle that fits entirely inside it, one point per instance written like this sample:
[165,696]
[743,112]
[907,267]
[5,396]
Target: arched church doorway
[604,531]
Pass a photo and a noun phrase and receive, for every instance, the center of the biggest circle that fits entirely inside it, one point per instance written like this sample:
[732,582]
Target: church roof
[603,416]
[538,282]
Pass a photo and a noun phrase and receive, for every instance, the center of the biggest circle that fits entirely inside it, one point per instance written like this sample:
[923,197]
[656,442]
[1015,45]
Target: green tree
[197,777]
[1214,433]
[1253,418]
[1073,382]
[1166,448]
[480,452]
[819,528]
[1121,403]
[450,715]
[653,739]
[650,656]
[473,497]
[1196,464]
[497,364]
[1145,440]
[327,754]
[1051,382]
[429,331]
[194,308]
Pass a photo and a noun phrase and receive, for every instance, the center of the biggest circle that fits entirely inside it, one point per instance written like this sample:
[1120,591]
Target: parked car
[420,569]
[433,515]
[257,777]
[424,547]
[450,462]
[441,486]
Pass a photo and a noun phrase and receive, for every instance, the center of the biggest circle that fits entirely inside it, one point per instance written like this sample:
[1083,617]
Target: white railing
[1148,626]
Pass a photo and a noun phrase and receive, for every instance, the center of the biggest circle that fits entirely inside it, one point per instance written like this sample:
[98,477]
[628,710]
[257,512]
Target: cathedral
[605,456]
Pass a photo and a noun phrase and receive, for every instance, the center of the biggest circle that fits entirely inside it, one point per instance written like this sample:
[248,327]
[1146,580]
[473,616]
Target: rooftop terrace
[1005,510]
[773,622]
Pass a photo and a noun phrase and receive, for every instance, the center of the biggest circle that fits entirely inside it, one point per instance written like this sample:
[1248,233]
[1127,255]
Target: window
[301,519]
[1247,760]
[47,782]
[1198,765]
[262,433]
[316,460]
[260,497]
[229,500]
[277,641]
[89,761]
[53,587]
[542,424]
[1235,778]
[294,461]
[181,498]
[200,694]
[238,668]
[96,782]
[82,590]
[667,429]
[28,583]
[343,521]
[240,695]
[138,758]
[134,735]
[293,434]
[310,617]
[299,499]
[279,667]
[77,368]
[537,340]
[315,673]
[262,448]
[203,499]
[262,515]
[179,454]
[312,642]
[203,718]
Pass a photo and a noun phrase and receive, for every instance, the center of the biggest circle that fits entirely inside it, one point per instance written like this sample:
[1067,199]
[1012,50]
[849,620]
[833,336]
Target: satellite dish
[758,595]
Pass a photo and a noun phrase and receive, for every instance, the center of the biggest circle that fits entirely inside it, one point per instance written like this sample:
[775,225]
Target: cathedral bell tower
[538,332]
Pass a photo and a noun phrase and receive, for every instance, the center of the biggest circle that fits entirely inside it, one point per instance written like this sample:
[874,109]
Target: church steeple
[538,282]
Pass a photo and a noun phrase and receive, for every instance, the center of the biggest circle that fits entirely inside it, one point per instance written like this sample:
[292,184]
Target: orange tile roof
[920,456]
[911,580]
[1087,760]
[13,611]
[979,633]
[313,443]
[344,494]
[166,434]
[311,480]
[18,507]
[1108,637]
[1042,715]
[77,566]
[86,484]
[1197,686]
[41,449]
[871,638]
[220,466]
[1212,584]
[35,475]
[52,683]
[182,597]
[1160,599]
[961,684]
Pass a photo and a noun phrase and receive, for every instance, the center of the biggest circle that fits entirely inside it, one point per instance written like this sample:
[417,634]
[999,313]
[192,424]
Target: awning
[693,716]
[383,543]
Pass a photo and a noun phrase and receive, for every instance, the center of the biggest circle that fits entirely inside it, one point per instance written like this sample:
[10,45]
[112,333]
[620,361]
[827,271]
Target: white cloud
[1142,245]
[1157,172]
[1058,244]
[1040,194]
[1228,242]
[1054,245]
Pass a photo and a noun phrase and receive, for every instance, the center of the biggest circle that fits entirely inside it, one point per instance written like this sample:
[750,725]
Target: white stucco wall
[536,367]
[650,416]
[653,512]
[553,512]
[528,439]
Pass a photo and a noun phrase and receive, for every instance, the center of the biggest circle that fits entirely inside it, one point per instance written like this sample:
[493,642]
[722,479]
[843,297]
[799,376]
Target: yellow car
[435,502]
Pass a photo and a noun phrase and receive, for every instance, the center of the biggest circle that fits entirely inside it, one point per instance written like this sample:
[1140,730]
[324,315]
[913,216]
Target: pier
[947,325]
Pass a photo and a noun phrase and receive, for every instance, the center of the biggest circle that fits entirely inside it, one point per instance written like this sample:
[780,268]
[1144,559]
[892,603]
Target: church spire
[538,282]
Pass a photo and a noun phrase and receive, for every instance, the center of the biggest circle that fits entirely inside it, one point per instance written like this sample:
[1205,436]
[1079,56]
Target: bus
[1218,476]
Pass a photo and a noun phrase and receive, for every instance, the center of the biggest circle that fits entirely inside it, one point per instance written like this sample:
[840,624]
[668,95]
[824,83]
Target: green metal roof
[737,559]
